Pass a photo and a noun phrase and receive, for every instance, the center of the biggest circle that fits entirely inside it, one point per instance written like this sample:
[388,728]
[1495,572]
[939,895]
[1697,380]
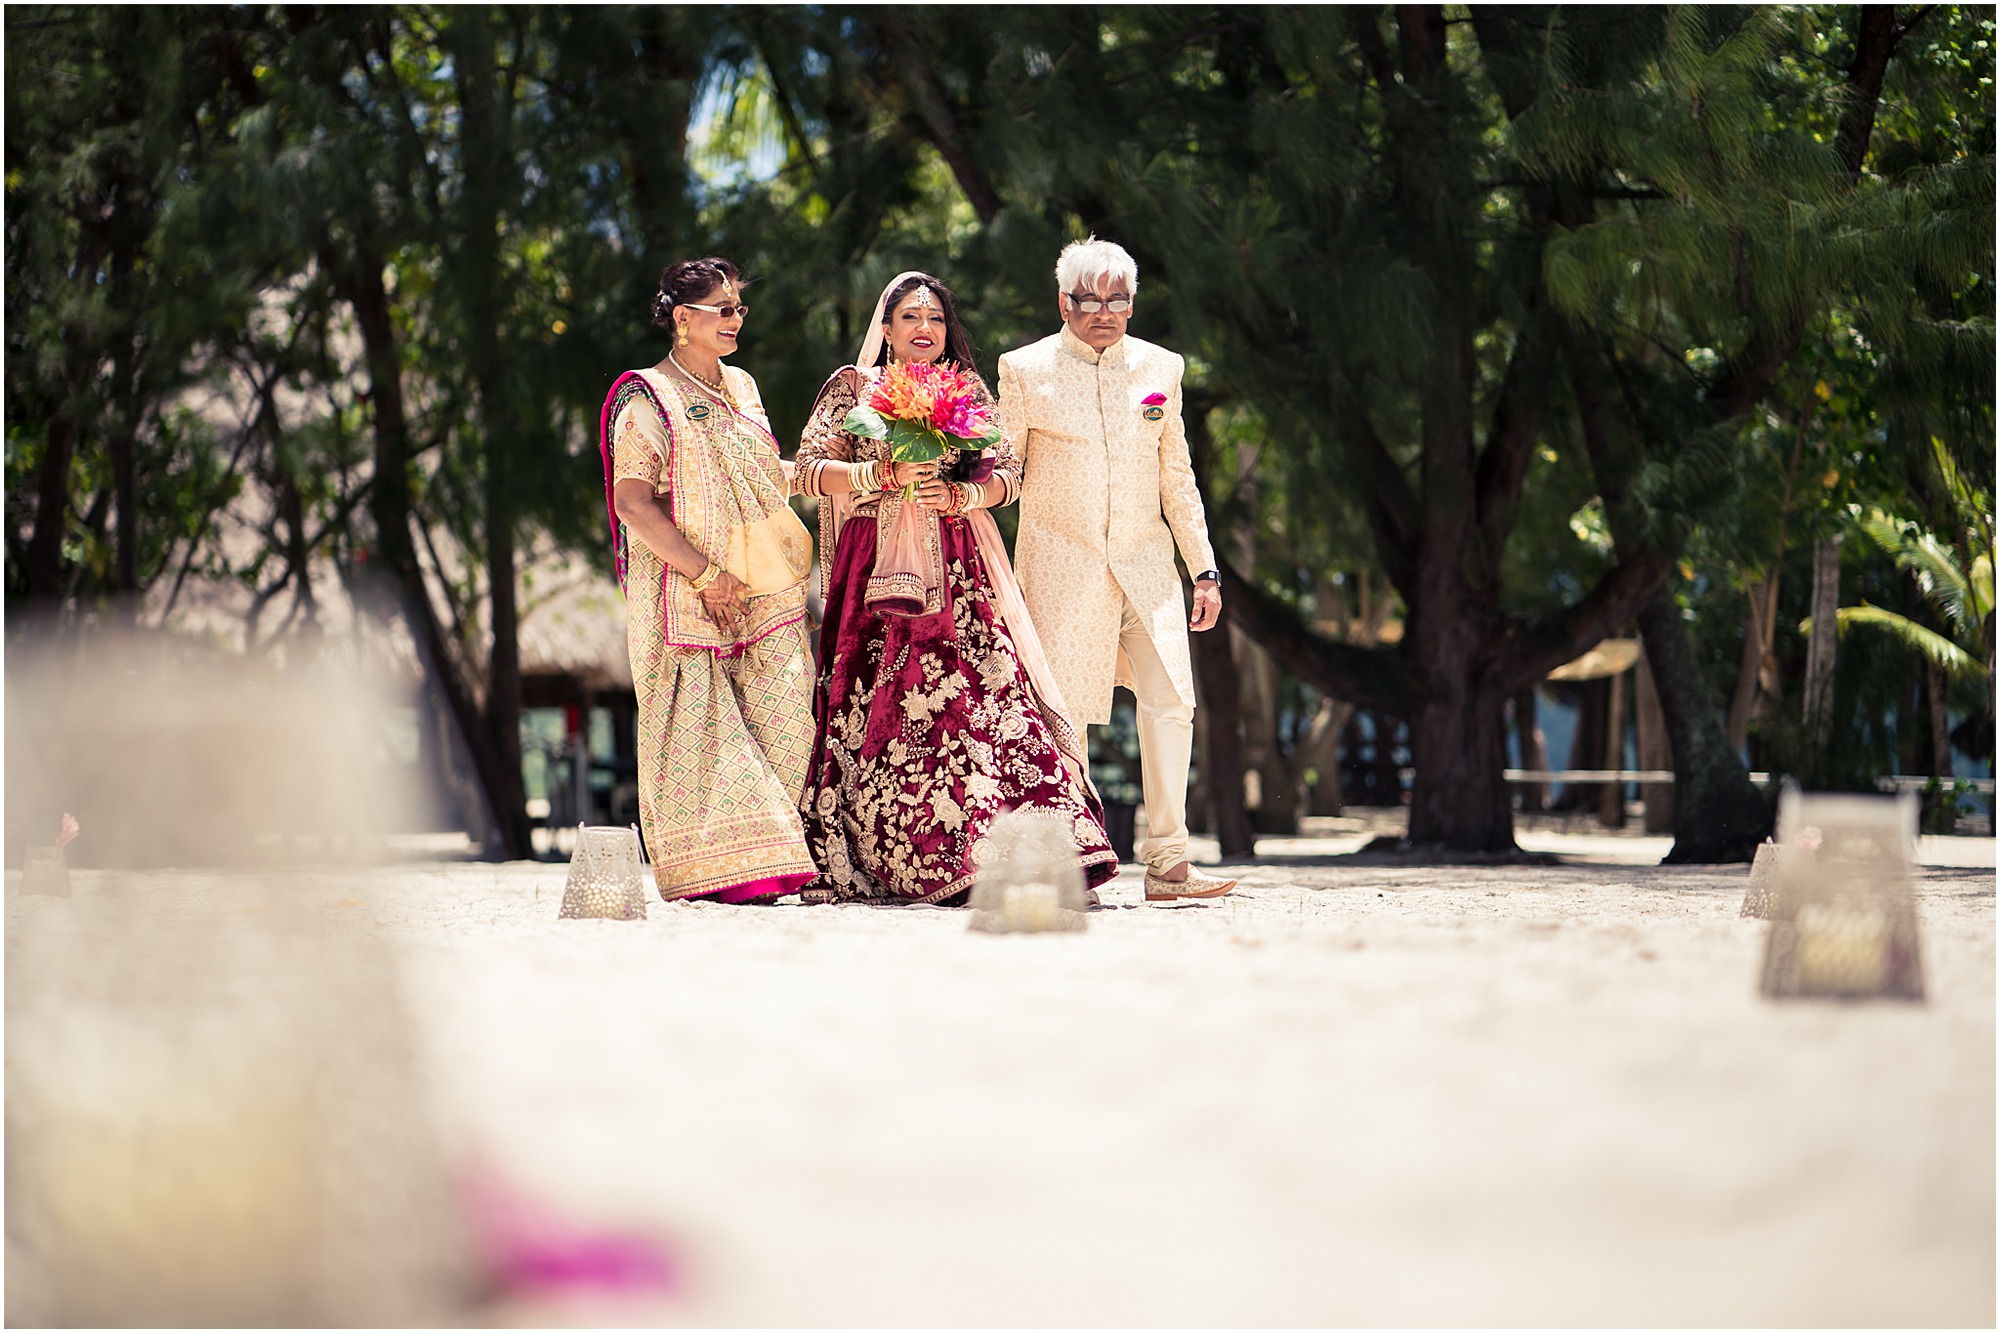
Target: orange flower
[904,393]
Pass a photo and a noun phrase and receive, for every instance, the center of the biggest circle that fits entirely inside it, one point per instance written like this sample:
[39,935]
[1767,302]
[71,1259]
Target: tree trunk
[1718,815]
[1820,647]
[45,581]
[1940,719]
[122,443]
[1321,753]
[1750,666]
[486,155]
[1458,733]
[389,505]
[1458,746]
[1215,669]
[1654,752]
[1278,804]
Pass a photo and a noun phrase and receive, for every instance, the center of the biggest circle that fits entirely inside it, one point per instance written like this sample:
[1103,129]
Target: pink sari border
[604,424]
[771,886]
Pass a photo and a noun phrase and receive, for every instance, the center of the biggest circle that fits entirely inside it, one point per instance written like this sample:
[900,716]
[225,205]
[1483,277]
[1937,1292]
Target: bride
[934,709]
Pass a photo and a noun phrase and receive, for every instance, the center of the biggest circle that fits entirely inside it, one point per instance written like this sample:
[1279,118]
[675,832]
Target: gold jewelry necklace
[718,386]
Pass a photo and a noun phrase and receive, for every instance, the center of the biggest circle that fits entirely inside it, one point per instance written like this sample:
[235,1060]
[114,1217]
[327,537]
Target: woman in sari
[934,708]
[721,667]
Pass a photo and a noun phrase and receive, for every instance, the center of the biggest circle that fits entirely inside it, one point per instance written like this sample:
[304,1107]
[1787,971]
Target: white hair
[1086,265]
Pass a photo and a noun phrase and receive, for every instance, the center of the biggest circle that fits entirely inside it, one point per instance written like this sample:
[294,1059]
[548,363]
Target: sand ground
[1347,1094]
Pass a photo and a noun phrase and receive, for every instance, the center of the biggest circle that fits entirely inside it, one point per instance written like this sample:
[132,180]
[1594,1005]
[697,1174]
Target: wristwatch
[1209,576]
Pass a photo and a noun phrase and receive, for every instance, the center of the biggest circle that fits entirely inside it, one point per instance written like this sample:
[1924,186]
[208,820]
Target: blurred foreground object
[45,873]
[1029,877]
[176,753]
[1844,914]
[214,1118]
[532,1253]
[605,876]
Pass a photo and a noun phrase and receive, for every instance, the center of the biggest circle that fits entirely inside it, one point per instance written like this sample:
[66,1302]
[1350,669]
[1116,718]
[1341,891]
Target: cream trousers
[1166,744]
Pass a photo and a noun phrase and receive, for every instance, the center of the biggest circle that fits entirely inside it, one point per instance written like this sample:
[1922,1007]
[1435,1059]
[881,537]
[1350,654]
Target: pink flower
[960,417]
[1153,399]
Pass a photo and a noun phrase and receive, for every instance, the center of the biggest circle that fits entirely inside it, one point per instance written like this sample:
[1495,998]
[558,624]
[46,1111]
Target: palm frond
[1953,659]
[1934,565]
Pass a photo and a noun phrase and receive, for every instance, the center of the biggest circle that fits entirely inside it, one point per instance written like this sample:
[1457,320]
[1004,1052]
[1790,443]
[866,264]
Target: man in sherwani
[1107,494]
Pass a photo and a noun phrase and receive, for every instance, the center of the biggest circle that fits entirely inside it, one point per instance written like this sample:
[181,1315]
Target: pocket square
[1153,399]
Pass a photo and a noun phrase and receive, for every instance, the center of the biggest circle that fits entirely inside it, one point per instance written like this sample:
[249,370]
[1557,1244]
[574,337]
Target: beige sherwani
[1107,494]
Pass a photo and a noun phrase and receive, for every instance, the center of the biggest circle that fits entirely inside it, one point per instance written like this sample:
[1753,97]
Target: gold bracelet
[861,477]
[972,495]
[706,577]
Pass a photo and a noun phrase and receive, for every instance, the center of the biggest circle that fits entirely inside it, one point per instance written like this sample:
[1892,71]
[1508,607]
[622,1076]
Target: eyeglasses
[1090,304]
[723,310]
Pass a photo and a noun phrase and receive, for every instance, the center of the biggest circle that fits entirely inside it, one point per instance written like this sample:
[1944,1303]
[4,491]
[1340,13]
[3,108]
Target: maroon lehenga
[928,726]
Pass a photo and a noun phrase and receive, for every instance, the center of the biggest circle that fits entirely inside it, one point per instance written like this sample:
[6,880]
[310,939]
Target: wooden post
[1611,804]
[1656,751]
[1534,751]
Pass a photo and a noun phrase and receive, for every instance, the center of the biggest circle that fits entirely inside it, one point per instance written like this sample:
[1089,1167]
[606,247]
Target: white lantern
[606,876]
[1030,876]
[1843,913]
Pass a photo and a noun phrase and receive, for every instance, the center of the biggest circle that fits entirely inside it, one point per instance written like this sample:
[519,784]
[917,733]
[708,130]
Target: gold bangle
[706,577]
[974,493]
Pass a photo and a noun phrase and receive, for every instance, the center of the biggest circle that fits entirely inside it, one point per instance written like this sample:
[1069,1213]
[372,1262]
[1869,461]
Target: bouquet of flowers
[921,410]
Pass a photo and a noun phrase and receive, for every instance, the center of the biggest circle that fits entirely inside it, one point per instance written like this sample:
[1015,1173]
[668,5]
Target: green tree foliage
[1551,321]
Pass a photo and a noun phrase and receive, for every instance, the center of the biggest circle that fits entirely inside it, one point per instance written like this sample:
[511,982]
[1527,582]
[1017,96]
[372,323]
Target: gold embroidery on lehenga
[910,811]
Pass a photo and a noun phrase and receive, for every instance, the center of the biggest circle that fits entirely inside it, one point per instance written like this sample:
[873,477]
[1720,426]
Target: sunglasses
[1090,304]
[723,310]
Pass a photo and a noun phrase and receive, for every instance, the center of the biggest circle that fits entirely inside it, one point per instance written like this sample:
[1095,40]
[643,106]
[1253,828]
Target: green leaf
[866,422]
[975,443]
[911,443]
[1933,645]
[1982,586]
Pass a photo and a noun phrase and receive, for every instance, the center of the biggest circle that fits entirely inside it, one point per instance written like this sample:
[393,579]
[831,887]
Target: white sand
[1344,1095]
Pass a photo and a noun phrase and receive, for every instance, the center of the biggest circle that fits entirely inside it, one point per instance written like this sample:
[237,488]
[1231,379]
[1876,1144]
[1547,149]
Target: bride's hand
[908,474]
[935,494]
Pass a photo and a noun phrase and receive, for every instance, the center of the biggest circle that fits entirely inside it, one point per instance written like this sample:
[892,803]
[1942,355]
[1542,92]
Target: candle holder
[606,878]
[1030,879]
[46,872]
[1843,904]
[1766,882]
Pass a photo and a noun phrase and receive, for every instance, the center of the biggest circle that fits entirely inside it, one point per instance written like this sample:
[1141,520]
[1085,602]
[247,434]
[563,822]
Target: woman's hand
[936,493]
[726,600]
[907,474]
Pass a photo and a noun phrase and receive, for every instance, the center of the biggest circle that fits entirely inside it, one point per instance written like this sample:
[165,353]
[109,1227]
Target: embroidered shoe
[1196,885]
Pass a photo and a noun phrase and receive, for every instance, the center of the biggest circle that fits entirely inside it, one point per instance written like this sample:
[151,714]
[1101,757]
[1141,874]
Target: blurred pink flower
[530,1250]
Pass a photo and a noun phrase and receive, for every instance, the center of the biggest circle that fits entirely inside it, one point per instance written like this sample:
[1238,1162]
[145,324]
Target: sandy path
[1345,1095]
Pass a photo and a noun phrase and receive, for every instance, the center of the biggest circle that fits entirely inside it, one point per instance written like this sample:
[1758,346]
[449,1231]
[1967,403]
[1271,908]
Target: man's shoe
[1196,885]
